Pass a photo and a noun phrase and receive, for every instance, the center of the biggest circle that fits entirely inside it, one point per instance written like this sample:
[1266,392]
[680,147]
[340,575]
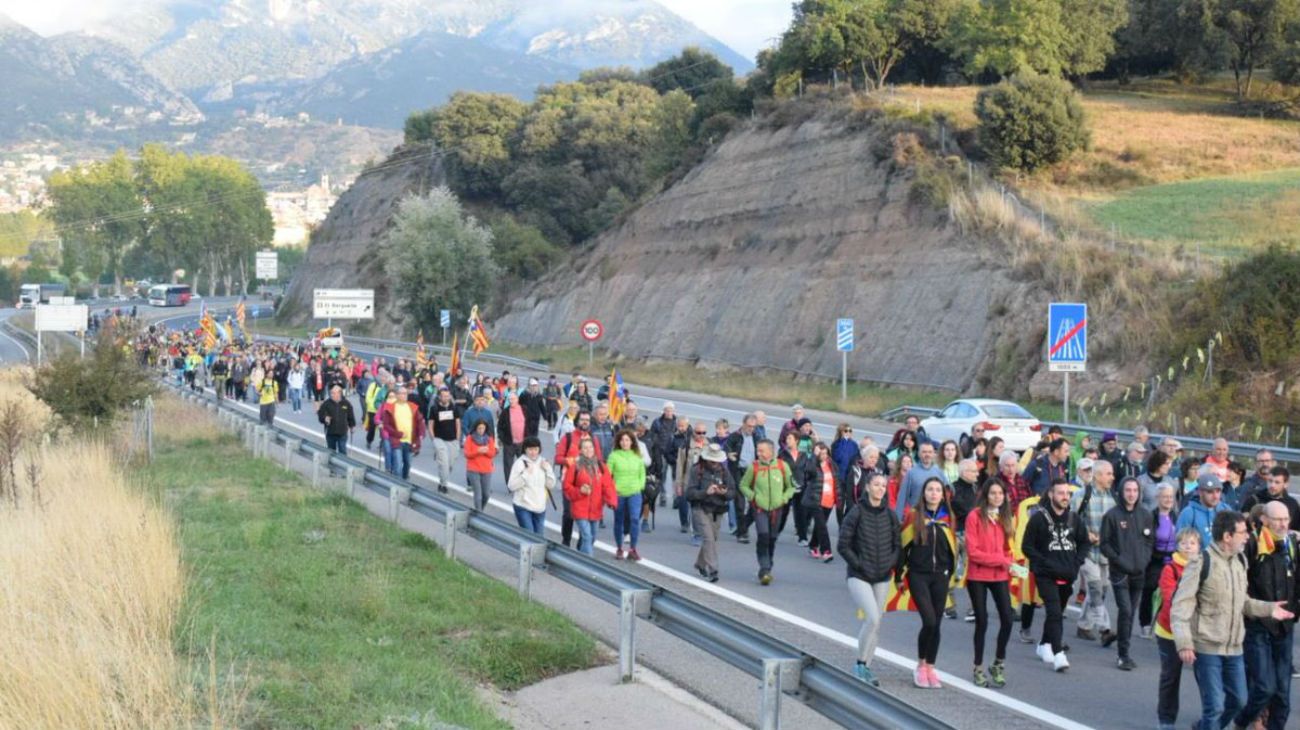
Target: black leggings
[930,592]
[1001,591]
[821,538]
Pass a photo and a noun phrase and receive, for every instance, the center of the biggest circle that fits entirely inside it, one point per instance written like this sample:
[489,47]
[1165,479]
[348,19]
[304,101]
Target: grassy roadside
[336,619]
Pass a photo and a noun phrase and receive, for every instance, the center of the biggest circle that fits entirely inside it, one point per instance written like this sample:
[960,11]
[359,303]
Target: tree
[99,211]
[1030,122]
[1090,27]
[1053,37]
[690,71]
[21,230]
[473,131]
[1254,31]
[437,257]
[521,250]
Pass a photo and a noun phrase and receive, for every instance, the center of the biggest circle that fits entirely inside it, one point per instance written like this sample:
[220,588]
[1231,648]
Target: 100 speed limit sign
[592,330]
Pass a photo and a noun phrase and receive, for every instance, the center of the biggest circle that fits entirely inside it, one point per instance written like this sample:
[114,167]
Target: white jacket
[530,486]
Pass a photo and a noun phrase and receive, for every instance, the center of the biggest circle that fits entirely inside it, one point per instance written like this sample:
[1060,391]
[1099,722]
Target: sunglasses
[701,433]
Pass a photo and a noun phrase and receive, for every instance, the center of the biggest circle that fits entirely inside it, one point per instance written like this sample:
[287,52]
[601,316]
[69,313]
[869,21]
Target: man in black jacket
[1127,540]
[710,490]
[339,420]
[1055,542]
[662,451]
[742,448]
[1273,573]
[1279,481]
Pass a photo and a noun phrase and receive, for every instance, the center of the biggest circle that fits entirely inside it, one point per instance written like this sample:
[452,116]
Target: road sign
[445,318]
[268,265]
[63,300]
[343,304]
[62,317]
[844,335]
[592,330]
[1067,337]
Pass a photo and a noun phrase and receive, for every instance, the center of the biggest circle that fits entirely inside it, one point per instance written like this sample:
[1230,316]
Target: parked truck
[29,295]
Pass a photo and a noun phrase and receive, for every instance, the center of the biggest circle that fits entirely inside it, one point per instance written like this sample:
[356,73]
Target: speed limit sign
[592,329]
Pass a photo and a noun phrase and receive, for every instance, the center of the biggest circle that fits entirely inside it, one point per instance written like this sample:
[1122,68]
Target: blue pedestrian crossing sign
[1067,337]
[446,318]
[844,335]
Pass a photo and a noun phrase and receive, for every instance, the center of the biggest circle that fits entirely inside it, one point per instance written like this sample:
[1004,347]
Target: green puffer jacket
[769,486]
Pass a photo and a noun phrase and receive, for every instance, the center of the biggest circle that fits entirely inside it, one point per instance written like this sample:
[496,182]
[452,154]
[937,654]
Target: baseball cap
[1208,481]
[1085,464]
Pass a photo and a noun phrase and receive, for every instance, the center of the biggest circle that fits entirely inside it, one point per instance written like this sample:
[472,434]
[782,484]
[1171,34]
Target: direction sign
[62,317]
[1067,337]
[268,265]
[446,318]
[343,304]
[592,330]
[844,335]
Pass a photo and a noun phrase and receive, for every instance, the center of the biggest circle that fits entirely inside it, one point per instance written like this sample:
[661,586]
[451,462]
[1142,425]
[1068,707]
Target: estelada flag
[454,368]
[1024,590]
[900,596]
[477,333]
[617,396]
[421,357]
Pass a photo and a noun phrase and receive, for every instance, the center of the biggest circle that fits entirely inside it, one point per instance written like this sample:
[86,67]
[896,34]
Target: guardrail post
[530,554]
[776,673]
[356,475]
[452,523]
[263,447]
[397,496]
[632,603]
[319,460]
[250,434]
[291,447]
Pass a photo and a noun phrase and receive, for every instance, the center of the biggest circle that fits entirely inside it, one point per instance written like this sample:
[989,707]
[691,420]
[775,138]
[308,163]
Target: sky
[745,25]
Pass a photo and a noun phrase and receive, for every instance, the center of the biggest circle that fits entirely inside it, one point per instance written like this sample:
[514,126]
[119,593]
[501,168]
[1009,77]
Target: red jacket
[1169,577]
[476,462]
[589,506]
[568,447]
[388,425]
[988,551]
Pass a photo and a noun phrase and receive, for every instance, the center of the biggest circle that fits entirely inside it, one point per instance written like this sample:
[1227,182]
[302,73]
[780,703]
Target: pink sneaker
[933,676]
[920,677]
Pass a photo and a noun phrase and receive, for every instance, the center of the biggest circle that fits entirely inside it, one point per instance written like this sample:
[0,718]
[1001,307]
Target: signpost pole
[1065,404]
[844,375]
[39,352]
[444,336]
[83,344]
[591,352]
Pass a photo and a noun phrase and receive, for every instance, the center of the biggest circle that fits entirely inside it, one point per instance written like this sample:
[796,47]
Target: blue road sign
[1067,337]
[844,335]
[446,318]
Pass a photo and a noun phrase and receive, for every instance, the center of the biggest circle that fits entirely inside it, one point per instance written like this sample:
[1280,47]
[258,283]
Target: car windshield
[1006,410]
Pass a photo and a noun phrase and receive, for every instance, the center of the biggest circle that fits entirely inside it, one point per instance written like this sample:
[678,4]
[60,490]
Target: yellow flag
[1186,359]
[1084,403]
[1218,337]
[1171,373]
[1143,393]
[1258,430]
[1200,354]
[1102,402]
[1159,379]
[1187,422]
[1127,390]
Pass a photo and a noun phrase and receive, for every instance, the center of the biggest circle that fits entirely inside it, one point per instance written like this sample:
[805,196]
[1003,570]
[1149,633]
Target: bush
[100,386]
[1031,122]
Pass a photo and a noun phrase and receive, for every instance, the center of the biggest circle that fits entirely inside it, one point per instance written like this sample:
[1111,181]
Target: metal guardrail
[783,668]
[1194,443]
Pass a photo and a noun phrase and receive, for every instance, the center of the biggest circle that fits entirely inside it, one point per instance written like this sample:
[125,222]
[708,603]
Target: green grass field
[1225,214]
[331,618]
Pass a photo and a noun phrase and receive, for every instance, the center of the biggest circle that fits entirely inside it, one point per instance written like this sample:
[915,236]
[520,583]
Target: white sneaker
[1045,652]
[1060,663]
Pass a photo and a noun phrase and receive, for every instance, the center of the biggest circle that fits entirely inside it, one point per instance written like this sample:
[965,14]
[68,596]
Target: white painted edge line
[952,681]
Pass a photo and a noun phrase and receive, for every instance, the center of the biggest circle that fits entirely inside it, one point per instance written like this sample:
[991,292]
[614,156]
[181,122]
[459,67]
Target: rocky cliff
[751,258]
[343,250]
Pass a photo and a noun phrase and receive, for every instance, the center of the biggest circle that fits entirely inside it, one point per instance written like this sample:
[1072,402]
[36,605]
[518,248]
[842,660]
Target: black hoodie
[1128,537]
[1056,545]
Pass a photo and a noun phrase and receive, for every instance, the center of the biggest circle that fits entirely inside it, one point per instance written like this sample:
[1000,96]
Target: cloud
[49,17]
[745,25]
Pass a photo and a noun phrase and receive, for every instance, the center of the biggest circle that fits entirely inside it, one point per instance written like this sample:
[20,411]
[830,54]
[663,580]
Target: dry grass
[91,580]
[175,420]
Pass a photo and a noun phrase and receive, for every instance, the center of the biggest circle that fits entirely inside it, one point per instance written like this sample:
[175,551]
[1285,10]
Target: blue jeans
[1268,666]
[532,521]
[295,399]
[629,510]
[586,536]
[388,455]
[1222,681]
[402,461]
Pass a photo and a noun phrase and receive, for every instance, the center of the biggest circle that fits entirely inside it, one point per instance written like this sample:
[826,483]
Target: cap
[669,404]
[1137,446]
[713,452]
[1208,481]
[1109,436]
[1085,464]
[797,407]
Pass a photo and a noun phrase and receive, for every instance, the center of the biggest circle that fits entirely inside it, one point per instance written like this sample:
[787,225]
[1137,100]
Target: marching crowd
[1198,553]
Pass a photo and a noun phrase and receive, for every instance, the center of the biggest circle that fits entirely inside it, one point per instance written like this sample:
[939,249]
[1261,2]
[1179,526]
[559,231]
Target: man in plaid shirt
[1091,504]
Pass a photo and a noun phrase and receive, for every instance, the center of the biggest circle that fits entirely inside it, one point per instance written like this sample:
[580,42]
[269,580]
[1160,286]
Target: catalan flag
[241,313]
[1023,590]
[477,333]
[900,597]
[453,369]
[421,357]
[617,396]
[230,331]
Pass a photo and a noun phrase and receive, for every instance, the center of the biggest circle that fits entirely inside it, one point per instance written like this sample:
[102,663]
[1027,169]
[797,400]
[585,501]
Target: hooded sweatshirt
[1128,539]
[1055,545]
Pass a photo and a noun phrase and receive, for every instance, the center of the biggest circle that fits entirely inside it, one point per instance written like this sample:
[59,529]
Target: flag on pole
[421,357]
[477,333]
[230,331]
[617,396]
[453,369]
[241,313]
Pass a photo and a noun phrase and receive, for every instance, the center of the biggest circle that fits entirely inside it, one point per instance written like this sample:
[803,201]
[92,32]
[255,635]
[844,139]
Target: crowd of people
[1198,554]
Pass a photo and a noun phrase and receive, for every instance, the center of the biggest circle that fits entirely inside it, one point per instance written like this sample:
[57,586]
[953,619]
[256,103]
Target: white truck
[29,295]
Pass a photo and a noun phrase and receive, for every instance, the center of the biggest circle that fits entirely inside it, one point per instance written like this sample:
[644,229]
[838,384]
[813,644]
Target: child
[1171,667]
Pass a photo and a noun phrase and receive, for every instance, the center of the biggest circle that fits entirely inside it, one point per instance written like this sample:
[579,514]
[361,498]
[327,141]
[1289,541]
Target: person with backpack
[530,483]
[820,487]
[1044,470]
[1201,512]
[375,396]
[1127,541]
[566,457]
[1171,667]
[589,488]
[1272,557]
[1208,619]
[1056,544]
[1091,504]
[989,529]
[709,490]
[870,545]
[767,486]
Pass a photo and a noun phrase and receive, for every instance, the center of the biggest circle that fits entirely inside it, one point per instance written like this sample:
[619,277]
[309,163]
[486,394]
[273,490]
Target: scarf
[480,438]
[591,466]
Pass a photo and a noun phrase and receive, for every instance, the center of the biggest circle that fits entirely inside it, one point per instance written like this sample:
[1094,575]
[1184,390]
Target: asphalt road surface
[11,350]
[811,595]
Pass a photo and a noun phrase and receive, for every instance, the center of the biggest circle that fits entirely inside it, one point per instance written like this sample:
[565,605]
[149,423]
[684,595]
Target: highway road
[810,595]
[12,351]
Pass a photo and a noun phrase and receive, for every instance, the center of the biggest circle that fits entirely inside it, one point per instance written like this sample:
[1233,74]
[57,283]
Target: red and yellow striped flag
[421,357]
[477,333]
[454,368]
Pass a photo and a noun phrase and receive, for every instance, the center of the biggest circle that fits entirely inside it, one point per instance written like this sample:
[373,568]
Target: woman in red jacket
[480,449]
[589,487]
[988,547]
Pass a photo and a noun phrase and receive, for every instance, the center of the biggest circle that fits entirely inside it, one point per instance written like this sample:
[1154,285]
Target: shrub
[1031,122]
[99,386]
